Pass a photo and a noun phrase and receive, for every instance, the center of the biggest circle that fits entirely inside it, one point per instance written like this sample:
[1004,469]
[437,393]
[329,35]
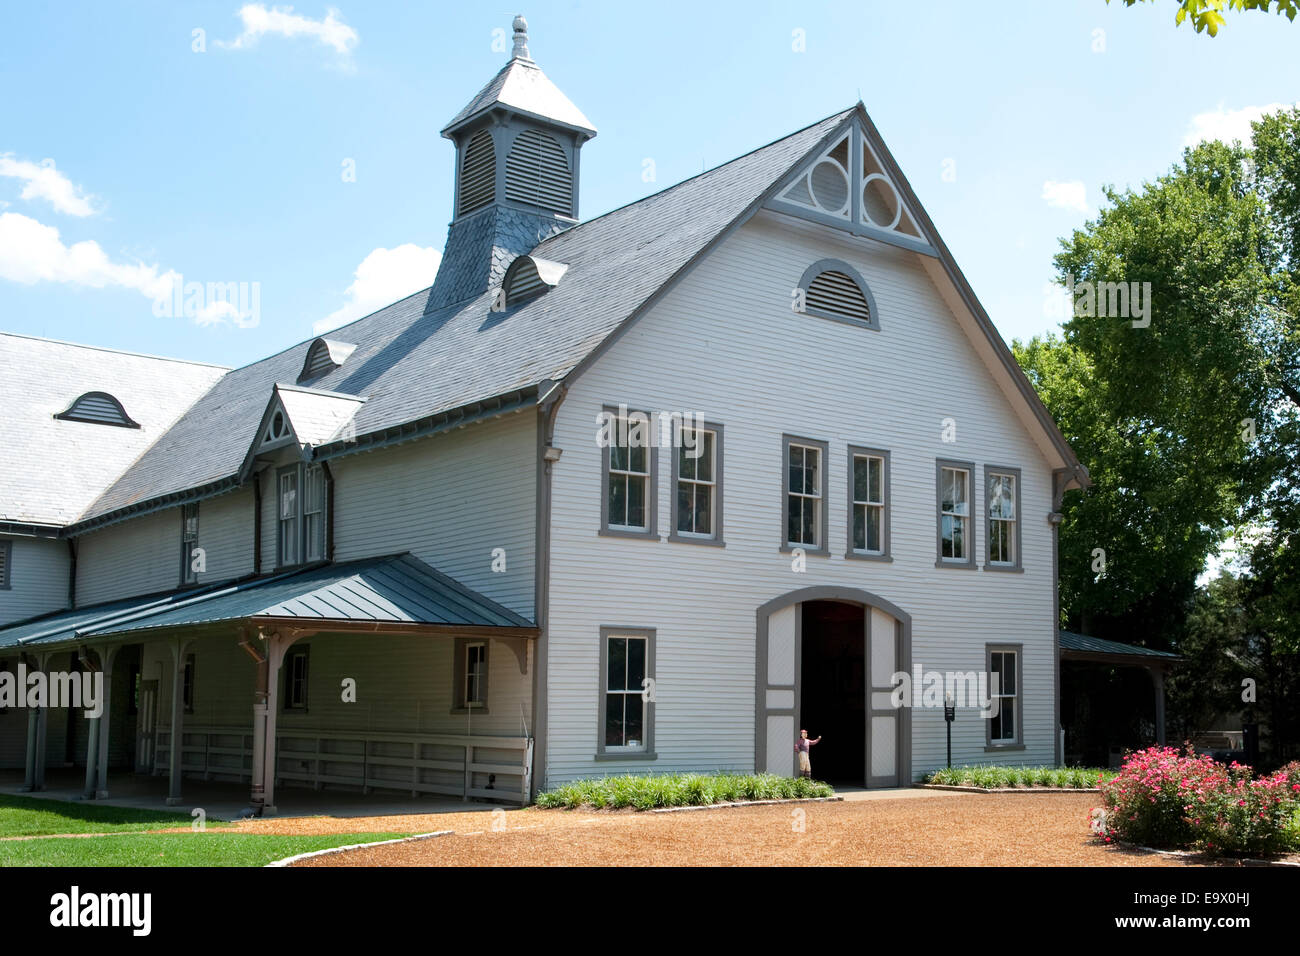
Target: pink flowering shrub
[1161,798]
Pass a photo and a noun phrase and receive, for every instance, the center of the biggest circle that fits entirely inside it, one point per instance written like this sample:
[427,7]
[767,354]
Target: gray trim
[864,230]
[716,540]
[972,545]
[1057,743]
[839,265]
[823,547]
[6,573]
[648,753]
[1019,742]
[458,703]
[1018,565]
[903,662]
[889,505]
[652,484]
[279,520]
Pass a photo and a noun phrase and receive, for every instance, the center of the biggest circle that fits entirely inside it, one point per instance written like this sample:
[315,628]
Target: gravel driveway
[957,830]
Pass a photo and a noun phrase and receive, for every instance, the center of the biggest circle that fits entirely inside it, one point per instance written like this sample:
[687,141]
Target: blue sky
[126,156]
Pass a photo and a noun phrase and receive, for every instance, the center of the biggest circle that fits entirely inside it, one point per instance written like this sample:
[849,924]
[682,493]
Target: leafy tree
[1207,15]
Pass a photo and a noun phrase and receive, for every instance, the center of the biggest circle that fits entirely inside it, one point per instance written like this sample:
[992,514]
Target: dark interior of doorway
[832,700]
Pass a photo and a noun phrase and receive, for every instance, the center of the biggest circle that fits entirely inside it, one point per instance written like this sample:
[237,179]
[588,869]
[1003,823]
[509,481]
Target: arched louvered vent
[98,408]
[324,356]
[529,276]
[478,173]
[537,172]
[833,289]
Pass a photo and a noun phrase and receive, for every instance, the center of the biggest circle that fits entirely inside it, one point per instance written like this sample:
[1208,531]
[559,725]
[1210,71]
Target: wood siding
[38,578]
[725,343]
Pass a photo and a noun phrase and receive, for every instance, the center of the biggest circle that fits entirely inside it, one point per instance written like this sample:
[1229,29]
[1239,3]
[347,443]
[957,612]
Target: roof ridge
[106,348]
[712,169]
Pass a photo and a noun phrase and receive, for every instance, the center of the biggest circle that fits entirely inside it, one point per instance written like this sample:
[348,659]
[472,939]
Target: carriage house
[646,492]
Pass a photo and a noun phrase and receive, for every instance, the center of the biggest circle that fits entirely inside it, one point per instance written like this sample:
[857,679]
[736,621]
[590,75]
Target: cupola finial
[521,38]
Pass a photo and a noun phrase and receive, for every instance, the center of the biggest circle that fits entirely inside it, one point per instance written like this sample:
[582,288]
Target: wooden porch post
[1158,679]
[265,711]
[34,778]
[106,656]
[179,647]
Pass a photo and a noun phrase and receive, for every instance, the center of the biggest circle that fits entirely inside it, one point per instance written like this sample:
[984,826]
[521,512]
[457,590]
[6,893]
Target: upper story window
[98,408]
[538,173]
[1003,532]
[300,497]
[868,503]
[629,466]
[478,173]
[6,561]
[956,533]
[190,566]
[697,484]
[804,493]
[833,289]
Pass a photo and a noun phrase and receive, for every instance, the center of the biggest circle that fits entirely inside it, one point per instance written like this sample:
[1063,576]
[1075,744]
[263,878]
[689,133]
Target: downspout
[548,406]
[72,573]
[257,523]
[1060,478]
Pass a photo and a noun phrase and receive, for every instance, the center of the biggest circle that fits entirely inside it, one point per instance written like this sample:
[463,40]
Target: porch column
[1158,679]
[106,656]
[266,692]
[179,648]
[34,778]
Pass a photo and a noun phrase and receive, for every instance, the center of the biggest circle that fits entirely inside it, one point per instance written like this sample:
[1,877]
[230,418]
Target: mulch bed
[1041,829]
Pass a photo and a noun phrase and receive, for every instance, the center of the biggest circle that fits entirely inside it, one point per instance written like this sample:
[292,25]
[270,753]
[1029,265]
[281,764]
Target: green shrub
[996,777]
[678,790]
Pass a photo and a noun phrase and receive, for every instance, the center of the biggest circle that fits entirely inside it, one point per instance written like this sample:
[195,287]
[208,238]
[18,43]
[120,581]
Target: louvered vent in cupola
[834,290]
[325,355]
[478,173]
[529,276]
[98,408]
[537,173]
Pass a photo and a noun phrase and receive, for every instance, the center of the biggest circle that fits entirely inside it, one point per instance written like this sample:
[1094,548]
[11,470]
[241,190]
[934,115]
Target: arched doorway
[825,656]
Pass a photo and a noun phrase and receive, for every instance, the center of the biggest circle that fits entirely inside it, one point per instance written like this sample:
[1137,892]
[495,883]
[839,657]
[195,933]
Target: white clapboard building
[421,553]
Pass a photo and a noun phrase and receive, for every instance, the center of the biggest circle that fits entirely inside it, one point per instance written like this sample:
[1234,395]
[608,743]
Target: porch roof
[396,592]
[1083,647]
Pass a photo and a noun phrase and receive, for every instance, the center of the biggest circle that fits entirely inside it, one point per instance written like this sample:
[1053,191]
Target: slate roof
[412,362]
[1082,643]
[523,87]
[52,470]
[396,589]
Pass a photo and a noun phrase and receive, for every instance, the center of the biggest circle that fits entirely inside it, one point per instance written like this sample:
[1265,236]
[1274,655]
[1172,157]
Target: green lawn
[172,849]
[32,816]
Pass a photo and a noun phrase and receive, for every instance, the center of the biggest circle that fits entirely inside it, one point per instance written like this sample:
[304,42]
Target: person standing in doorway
[801,747]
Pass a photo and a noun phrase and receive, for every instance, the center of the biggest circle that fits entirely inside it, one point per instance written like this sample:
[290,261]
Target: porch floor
[224,801]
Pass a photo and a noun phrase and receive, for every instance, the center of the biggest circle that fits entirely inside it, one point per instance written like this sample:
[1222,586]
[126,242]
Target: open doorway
[832,700]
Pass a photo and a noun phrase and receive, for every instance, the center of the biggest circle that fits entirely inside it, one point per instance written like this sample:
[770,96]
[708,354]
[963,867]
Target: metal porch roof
[1083,644]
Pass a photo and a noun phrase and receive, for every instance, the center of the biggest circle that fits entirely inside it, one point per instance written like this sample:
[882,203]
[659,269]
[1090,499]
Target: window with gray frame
[295,679]
[1002,492]
[470,665]
[868,503]
[626,692]
[956,532]
[697,484]
[189,541]
[1004,727]
[6,561]
[301,501]
[628,469]
[804,494]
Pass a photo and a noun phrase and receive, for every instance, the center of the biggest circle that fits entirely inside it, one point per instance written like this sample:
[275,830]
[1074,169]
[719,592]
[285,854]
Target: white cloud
[282,21]
[43,181]
[1070,195]
[1227,125]
[383,277]
[32,252]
